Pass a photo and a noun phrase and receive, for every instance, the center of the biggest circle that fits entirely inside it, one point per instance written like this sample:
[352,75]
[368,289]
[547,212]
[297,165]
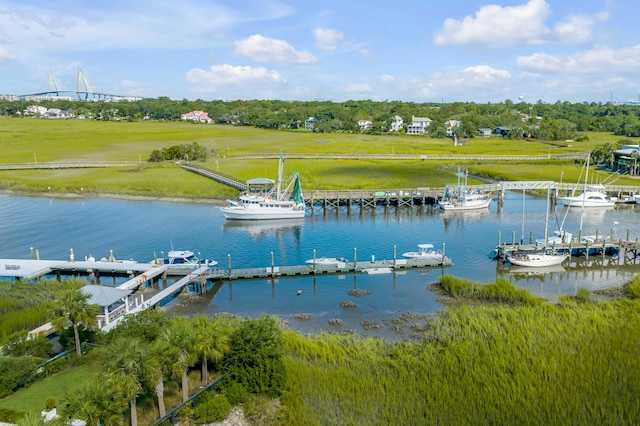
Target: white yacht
[592,197]
[537,259]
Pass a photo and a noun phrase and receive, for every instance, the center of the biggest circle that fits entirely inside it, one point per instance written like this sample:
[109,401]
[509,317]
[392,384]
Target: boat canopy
[260,181]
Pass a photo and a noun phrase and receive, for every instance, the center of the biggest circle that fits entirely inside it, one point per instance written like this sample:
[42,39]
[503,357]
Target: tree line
[547,121]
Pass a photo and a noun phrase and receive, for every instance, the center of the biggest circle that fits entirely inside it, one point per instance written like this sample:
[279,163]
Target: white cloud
[575,30]
[497,26]
[597,60]
[219,76]
[386,78]
[358,88]
[268,50]
[327,39]
[6,57]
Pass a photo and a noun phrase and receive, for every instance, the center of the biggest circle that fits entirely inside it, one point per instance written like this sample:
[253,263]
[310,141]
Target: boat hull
[240,213]
[475,205]
[541,260]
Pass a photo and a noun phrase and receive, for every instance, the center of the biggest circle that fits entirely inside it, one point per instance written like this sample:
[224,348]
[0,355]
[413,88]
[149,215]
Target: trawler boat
[463,198]
[275,203]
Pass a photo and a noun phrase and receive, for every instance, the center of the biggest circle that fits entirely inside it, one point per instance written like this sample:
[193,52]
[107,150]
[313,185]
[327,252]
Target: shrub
[236,393]
[10,416]
[256,359]
[213,409]
[14,372]
[632,289]
[49,403]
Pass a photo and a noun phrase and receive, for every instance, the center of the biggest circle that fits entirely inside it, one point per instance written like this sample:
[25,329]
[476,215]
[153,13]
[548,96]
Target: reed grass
[27,140]
[530,365]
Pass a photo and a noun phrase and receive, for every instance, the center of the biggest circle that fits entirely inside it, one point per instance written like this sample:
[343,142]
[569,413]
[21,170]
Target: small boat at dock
[425,251]
[536,259]
[184,257]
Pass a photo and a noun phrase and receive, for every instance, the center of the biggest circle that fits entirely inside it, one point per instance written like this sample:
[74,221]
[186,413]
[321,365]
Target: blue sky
[407,50]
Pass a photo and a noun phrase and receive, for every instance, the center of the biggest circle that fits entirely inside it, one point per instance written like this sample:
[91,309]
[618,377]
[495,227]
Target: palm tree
[94,403]
[165,357]
[72,307]
[211,342]
[181,337]
[127,367]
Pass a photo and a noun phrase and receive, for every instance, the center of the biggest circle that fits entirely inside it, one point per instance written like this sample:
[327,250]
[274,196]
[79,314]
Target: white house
[418,125]
[35,110]
[397,124]
[364,124]
[450,125]
[485,132]
[198,116]
[310,123]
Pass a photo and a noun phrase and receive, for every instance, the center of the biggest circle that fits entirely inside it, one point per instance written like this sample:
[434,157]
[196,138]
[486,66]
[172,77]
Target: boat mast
[584,192]
[279,178]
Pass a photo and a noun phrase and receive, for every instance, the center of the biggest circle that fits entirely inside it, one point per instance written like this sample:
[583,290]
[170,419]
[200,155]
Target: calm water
[138,229]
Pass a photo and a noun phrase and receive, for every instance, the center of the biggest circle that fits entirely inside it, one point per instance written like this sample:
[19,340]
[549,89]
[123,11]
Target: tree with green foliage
[256,359]
[71,307]
[21,343]
[127,367]
[180,337]
[94,403]
[211,342]
[14,372]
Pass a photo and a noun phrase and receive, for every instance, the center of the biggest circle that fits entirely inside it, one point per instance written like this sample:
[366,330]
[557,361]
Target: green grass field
[30,140]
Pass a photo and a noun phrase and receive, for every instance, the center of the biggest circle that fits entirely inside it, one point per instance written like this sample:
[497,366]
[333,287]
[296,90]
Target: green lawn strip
[32,398]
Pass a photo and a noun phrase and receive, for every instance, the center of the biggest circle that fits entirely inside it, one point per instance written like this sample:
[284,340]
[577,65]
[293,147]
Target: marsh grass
[530,365]
[25,305]
[26,140]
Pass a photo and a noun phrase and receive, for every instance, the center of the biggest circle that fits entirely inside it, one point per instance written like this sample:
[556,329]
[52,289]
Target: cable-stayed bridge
[85,91]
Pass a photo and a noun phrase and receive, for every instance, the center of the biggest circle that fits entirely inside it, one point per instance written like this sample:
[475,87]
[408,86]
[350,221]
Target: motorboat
[425,251]
[537,259]
[592,197]
[328,261]
[184,257]
[259,203]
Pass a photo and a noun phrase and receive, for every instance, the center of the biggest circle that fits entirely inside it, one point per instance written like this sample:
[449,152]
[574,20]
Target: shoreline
[115,196]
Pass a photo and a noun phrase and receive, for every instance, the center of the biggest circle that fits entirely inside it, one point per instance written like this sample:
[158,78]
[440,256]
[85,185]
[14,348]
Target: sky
[402,50]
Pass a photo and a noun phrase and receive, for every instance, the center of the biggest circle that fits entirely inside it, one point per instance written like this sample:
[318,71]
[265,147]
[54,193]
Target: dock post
[314,261]
[394,255]
[355,260]
[443,254]
[31,249]
[71,257]
[37,254]
[229,261]
[272,266]
[199,259]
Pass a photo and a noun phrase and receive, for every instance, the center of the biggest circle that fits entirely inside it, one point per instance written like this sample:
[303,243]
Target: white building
[364,124]
[397,124]
[418,125]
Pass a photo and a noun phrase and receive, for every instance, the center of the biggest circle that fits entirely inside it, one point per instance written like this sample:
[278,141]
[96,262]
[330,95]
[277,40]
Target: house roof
[104,296]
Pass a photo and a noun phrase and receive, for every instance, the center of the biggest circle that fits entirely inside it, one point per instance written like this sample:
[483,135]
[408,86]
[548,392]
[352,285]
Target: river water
[139,229]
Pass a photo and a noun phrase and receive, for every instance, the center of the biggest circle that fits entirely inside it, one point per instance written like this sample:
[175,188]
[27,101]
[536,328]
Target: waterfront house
[397,123]
[450,125]
[626,159]
[197,116]
[418,125]
[310,123]
[364,124]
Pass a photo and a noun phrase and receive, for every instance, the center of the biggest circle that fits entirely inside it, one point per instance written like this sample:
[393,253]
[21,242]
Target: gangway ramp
[138,280]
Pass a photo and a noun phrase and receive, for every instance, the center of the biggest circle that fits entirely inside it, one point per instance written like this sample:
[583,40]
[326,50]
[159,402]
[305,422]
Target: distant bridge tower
[53,86]
[83,85]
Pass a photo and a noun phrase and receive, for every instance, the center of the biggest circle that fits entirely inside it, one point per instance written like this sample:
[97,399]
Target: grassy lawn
[26,140]
[32,398]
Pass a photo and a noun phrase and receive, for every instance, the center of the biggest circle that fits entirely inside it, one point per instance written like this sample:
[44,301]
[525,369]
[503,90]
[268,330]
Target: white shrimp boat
[464,199]
[425,251]
[537,259]
[275,203]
